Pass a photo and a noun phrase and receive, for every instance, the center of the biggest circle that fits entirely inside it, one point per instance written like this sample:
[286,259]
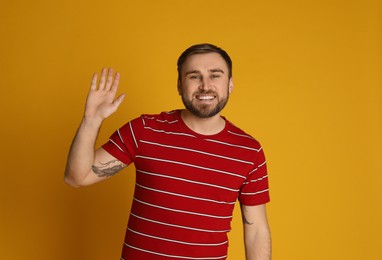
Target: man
[191,165]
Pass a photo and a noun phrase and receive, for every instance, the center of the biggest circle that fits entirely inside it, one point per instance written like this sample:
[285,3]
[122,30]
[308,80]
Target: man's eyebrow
[216,70]
[192,72]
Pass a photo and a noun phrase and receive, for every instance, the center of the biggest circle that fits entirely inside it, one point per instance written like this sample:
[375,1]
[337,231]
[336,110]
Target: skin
[205,88]
[204,84]
[257,236]
[86,166]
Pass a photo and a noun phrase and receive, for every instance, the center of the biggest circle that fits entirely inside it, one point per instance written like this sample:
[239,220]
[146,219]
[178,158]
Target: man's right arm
[85,165]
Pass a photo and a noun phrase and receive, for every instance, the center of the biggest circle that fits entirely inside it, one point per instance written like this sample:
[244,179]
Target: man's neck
[204,126]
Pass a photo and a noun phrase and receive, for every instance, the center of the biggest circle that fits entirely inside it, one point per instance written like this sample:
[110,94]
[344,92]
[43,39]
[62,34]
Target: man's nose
[204,83]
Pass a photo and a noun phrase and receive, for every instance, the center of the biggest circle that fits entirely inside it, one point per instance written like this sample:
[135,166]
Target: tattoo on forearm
[108,169]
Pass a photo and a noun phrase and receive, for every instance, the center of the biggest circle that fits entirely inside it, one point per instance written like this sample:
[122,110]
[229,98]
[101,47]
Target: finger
[114,87]
[93,86]
[102,80]
[119,100]
[109,79]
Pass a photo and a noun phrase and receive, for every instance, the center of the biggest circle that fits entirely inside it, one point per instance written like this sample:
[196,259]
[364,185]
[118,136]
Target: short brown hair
[200,49]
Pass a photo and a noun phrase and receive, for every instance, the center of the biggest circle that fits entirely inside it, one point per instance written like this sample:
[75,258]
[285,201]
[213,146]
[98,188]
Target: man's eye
[194,77]
[214,76]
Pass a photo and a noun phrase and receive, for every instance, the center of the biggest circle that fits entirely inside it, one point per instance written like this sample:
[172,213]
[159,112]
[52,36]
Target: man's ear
[230,85]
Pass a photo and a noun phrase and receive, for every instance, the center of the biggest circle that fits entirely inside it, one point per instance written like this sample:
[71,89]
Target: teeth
[205,97]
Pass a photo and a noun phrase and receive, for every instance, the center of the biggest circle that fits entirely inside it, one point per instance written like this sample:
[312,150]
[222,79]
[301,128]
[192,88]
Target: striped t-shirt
[186,186]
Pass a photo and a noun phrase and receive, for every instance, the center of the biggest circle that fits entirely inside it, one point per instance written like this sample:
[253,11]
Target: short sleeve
[255,190]
[123,143]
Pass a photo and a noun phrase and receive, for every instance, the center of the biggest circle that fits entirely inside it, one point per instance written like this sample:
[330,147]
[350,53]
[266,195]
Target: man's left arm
[257,236]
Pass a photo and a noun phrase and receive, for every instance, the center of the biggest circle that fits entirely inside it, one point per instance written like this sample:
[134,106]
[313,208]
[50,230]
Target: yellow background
[308,85]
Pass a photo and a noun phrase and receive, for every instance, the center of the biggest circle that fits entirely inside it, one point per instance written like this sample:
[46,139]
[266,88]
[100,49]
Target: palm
[101,102]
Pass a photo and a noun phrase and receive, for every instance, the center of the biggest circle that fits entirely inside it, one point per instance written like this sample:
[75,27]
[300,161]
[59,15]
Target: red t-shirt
[186,186]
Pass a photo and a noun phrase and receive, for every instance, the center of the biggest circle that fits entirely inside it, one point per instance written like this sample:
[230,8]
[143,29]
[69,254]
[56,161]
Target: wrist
[91,122]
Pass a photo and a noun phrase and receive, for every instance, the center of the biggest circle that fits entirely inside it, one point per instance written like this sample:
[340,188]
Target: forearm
[81,154]
[258,246]
[257,236]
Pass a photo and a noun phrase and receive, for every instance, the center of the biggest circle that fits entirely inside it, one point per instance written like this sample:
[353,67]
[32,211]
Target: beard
[205,110]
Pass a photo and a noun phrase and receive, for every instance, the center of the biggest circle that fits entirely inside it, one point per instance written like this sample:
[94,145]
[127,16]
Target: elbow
[71,180]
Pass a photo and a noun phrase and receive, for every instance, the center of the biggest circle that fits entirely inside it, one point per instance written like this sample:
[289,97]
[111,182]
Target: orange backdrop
[307,85]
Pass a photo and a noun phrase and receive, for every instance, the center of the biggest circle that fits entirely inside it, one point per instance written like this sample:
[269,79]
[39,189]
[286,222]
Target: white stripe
[196,151]
[165,121]
[177,241]
[259,179]
[178,226]
[186,180]
[117,145]
[253,170]
[175,256]
[185,196]
[262,164]
[191,165]
[254,193]
[172,133]
[132,133]
[120,137]
[242,135]
[181,211]
[171,112]
[234,145]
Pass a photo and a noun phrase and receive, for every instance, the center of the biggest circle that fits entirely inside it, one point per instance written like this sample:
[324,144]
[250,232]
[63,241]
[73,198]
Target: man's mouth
[205,97]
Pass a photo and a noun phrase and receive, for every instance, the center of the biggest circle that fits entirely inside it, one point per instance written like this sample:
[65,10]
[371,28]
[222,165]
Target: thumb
[119,100]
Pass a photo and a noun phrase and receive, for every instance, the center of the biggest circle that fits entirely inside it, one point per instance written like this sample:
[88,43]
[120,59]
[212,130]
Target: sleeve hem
[112,150]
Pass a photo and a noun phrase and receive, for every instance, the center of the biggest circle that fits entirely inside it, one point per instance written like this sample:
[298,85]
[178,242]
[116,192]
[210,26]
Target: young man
[191,165]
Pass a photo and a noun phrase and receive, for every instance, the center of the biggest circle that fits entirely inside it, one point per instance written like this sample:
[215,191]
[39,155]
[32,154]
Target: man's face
[205,84]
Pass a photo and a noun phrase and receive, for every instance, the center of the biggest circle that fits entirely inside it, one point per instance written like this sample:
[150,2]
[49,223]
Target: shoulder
[137,127]
[161,119]
[241,137]
[152,119]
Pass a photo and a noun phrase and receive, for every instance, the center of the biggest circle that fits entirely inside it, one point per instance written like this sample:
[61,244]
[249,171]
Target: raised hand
[101,101]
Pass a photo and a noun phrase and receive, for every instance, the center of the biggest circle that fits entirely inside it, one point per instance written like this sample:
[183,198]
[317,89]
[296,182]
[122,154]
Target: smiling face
[205,84]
